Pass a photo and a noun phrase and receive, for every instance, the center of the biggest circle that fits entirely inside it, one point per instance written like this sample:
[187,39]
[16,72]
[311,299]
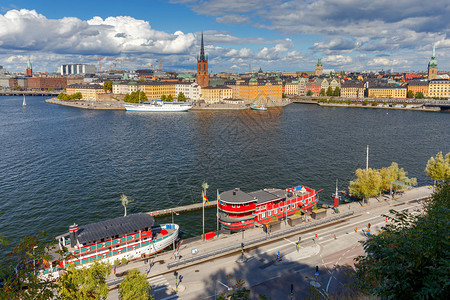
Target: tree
[134,286]
[181,97]
[367,184]
[409,94]
[309,93]
[124,199]
[409,258]
[163,98]
[85,283]
[169,98]
[283,95]
[439,168]
[337,91]
[322,92]
[20,270]
[107,86]
[330,91]
[419,95]
[76,96]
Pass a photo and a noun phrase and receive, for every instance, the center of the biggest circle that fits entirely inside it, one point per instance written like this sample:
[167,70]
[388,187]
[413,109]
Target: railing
[237,247]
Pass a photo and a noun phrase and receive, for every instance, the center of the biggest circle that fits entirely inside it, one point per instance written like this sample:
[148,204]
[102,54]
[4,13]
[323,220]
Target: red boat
[239,210]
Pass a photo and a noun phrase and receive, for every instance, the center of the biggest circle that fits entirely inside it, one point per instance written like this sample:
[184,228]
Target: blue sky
[284,35]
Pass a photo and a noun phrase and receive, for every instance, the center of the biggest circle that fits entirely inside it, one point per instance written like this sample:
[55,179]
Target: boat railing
[251,242]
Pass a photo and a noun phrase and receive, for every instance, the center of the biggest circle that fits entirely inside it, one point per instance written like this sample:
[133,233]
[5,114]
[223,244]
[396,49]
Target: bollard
[316,234]
[334,236]
[356,229]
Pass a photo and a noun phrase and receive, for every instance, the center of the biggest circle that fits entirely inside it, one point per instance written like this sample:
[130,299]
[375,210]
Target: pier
[185,208]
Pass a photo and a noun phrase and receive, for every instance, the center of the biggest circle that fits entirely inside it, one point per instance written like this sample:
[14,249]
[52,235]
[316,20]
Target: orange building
[202,68]
[418,86]
[261,92]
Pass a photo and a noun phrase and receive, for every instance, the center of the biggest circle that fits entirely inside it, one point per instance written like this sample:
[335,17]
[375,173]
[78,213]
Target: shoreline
[377,107]
[85,104]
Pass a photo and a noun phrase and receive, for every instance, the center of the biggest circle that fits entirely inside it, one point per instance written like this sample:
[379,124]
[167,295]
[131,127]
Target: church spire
[434,54]
[202,51]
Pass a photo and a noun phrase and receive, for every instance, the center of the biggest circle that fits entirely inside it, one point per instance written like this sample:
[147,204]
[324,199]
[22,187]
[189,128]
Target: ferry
[158,106]
[258,107]
[130,237]
[239,210]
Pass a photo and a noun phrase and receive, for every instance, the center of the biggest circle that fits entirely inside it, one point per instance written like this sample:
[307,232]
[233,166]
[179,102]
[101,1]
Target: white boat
[158,106]
[24,103]
[131,237]
[258,107]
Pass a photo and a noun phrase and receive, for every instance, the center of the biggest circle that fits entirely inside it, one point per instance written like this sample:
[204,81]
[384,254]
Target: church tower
[319,68]
[432,66]
[29,68]
[202,67]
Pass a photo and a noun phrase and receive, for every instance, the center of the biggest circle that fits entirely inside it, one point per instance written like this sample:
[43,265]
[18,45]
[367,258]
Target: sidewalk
[159,264]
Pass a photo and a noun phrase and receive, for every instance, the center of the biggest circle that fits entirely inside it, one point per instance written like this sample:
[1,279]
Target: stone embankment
[85,104]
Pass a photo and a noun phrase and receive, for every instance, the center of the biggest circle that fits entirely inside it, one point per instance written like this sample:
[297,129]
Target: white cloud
[337,60]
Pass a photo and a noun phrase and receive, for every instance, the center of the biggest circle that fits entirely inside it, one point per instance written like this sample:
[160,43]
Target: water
[62,165]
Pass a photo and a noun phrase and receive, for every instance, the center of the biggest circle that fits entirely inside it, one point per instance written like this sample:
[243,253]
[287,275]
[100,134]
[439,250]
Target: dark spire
[202,51]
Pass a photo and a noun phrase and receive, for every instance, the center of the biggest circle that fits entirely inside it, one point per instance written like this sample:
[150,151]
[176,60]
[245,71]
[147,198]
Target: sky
[276,35]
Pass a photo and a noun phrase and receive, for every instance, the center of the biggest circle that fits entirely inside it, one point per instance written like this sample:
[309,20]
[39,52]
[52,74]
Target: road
[331,248]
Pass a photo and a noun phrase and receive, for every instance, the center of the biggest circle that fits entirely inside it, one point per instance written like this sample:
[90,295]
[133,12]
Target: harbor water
[62,165]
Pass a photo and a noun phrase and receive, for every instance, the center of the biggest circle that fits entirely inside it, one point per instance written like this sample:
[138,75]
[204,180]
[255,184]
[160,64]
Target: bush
[365,102]
[124,260]
[374,103]
[116,262]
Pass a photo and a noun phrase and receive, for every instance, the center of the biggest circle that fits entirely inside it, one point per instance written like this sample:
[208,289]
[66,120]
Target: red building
[29,68]
[202,68]
[45,83]
[239,210]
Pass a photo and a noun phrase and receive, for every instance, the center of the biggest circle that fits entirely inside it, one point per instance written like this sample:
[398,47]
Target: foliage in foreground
[135,286]
[85,283]
[410,257]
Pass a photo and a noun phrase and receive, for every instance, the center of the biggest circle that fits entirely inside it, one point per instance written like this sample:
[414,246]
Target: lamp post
[173,223]
[229,289]
[205,186]
[34,260]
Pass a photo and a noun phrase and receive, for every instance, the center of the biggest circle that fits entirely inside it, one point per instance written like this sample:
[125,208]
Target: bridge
[442,104]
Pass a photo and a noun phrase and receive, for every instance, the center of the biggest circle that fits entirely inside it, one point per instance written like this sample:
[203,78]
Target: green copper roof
[319,61]
[29,63]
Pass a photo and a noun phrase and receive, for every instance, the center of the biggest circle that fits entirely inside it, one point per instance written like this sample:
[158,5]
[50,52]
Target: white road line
[170,297]
[328,285]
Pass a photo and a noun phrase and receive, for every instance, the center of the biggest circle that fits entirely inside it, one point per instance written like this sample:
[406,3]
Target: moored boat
[238,210]
[129,237]
[158,106]
[258,107]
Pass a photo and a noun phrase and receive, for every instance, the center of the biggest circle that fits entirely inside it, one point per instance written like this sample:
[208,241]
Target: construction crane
[99,58]
[160,64]
[121,60]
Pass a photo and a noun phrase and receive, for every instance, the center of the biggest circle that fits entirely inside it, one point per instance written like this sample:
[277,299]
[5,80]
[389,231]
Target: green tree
[85,283]
[322,92]
[409,94]
[365,102]
[169,98]
[163,98]
[337,91]
[309,93]
[142,79]
[125,201]
[419,95]
[367,184]
[61,96]
[438,167]
[409,258]
[134,286]
[143,96]
[20,270]
[329,91]
[283,95]
[76,96]
[181,97]
[107,86]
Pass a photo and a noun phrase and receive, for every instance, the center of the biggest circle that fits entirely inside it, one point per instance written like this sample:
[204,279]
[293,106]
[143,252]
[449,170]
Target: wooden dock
[179,209]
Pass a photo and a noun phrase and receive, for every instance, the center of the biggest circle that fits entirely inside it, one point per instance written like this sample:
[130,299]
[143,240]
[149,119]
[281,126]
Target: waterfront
[62,165]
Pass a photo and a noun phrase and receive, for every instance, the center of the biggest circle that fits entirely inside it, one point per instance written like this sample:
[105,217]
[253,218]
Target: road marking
[170,297]
[329,281]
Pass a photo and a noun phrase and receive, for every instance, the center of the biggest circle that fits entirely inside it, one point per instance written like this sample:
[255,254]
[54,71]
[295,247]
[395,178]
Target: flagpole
[217,213]
[203,208]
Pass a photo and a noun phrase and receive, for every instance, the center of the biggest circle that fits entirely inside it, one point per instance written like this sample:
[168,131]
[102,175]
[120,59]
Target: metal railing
[254,241]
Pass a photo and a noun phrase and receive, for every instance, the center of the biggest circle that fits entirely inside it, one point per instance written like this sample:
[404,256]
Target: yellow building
[216,94]
[261,92]
[89,92]
[387,92]
[352,89]
[439,88]
[291,88]
[418,86]
[154,90]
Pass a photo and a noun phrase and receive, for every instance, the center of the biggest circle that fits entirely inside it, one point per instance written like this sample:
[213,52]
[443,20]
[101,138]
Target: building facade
[155,90]
[123,88]
[202,67]
[46,83]
[89,92]
[216,94]
[191,90]
[439,88]
[76,69]
[261,92]
[29,70]
[387,92]
[352,89]
[417,86]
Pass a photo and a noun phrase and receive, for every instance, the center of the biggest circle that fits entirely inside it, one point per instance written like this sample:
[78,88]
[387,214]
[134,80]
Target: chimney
[73,233]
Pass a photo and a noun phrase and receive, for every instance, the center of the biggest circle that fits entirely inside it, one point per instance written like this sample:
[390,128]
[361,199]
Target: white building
[125,87]
[75,69]
[190,90]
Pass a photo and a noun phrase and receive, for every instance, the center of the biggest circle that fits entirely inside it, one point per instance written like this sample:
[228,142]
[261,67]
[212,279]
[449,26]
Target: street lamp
[205,186]
[174,227]
[229,289]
